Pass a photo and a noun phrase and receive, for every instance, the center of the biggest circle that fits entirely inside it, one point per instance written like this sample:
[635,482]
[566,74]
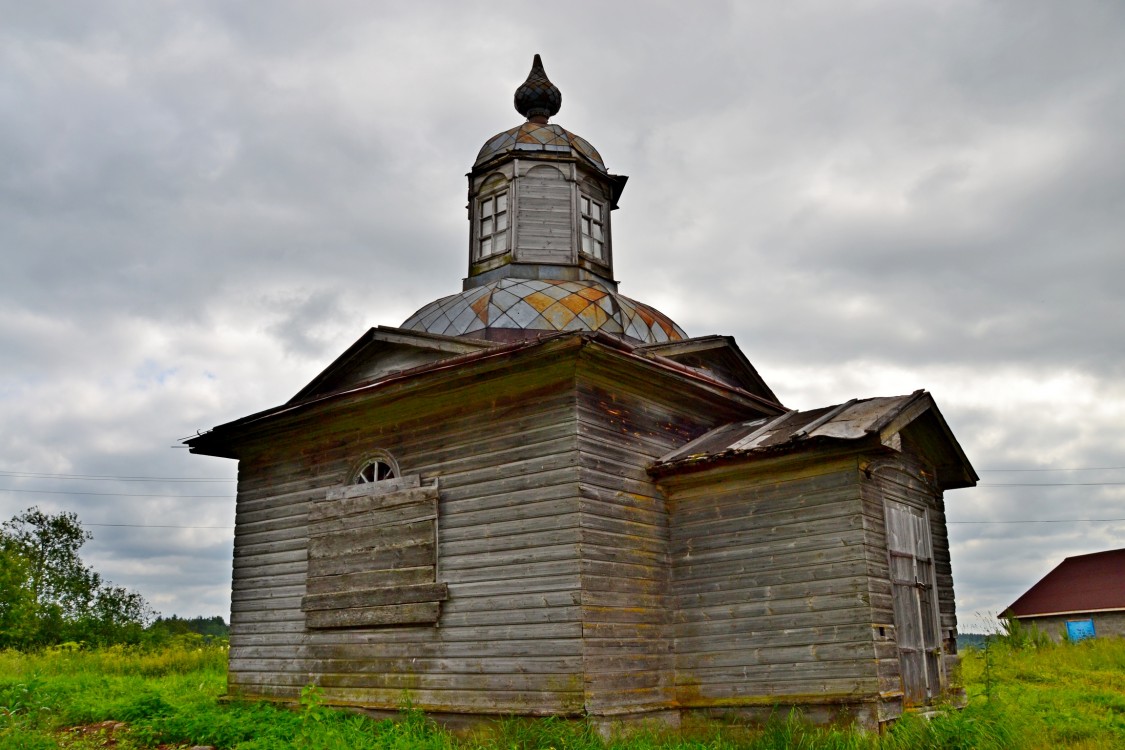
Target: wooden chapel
[540,497]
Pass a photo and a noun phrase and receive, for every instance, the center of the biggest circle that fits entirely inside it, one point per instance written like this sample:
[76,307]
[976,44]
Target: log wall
[624,425]
[502,449]
[770,586]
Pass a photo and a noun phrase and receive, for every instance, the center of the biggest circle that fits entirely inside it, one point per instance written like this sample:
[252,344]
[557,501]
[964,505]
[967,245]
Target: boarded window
[373,556]
[545,216]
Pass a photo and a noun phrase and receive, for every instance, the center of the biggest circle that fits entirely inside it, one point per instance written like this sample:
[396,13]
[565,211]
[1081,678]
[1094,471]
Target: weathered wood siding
[372,556]
[626,421]
[510,636]
[545,222]
[903,479]
[770,586]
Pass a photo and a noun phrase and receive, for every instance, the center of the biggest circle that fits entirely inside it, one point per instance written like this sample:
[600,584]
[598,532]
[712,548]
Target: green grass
[1053,696]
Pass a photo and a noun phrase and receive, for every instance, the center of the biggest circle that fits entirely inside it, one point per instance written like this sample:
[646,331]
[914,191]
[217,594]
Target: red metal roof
[1084,583]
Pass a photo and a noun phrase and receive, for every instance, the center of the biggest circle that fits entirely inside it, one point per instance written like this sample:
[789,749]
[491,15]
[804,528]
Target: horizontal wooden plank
[815,627]
[367,579]
[503,617]
[362,505]
[531,536]
[511,521]
[384,517]
[510,557]
[371,539]
[376,597]
[746,596]
[395,614]
[687,661]
[491,702]
[778,689]
[403,556]
[566,580]
[393,486]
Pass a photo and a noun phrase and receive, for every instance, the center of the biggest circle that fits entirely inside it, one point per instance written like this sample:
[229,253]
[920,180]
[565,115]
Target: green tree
[50,544]
[49,595]
[17,600]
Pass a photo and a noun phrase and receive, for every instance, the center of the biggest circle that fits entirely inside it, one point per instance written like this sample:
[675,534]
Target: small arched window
[376,468]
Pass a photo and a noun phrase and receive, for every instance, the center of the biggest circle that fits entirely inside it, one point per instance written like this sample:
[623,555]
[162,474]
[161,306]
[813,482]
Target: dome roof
[540,137]
[543,305]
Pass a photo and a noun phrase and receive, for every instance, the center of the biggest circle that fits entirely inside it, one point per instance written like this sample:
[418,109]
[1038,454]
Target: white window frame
[592,227]
[491,238]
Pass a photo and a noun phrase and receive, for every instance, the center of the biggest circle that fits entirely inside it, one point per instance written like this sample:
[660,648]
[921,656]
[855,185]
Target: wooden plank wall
[510,635]
[769,584]
[545,216]
[372,556]
[625,422]
[902,480]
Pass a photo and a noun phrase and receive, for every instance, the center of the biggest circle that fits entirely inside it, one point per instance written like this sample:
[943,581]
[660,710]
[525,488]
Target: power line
[1078,468]
[105,494]
[1051,484]
[1050,520]
[107,477]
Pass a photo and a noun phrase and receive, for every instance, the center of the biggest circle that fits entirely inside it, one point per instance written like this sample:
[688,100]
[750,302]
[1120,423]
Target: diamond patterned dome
[543,305]
[533,136]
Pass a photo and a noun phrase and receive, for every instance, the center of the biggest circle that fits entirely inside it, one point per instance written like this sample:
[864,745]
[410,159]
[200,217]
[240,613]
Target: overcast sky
[202,204]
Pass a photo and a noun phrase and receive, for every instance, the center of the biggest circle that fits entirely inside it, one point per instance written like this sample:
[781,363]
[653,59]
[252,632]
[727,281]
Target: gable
[717,357]
[384,351]
[898,423]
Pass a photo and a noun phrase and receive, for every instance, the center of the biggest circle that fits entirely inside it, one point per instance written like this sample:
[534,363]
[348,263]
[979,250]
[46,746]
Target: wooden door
[911,551]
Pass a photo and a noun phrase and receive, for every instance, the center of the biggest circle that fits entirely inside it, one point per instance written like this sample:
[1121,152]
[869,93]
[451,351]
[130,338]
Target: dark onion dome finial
[537,97]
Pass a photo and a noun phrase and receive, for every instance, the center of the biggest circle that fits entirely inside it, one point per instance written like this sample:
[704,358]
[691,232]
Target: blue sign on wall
[1077,630]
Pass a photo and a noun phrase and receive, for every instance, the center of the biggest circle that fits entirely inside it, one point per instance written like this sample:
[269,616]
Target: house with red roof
[1084,596]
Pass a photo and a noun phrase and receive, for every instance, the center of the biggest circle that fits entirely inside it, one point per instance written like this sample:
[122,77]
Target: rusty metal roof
[852,420]
[219,440]
[1079,584]
[876,420]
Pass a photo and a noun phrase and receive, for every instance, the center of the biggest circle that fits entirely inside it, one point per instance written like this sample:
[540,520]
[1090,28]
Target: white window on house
[593,228]
[492,225]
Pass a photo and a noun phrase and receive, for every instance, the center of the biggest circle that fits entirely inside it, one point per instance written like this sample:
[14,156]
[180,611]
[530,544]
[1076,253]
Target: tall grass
[1019,696]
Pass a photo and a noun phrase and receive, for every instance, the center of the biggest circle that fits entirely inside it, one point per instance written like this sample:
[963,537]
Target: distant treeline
[214,627]
[50,597]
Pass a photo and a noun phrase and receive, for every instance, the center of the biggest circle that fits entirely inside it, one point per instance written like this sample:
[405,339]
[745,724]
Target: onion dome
[537,98]
[512,308]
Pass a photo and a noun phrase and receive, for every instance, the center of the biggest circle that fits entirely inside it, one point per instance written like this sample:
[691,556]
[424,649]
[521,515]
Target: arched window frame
[376,466]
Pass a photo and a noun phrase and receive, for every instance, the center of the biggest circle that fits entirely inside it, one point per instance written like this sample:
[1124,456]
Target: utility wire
[1051,484]
[1079,468]
[107,477]
[105,494]
[1050,520]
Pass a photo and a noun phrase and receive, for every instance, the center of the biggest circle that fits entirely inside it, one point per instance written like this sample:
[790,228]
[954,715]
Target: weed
[20,702]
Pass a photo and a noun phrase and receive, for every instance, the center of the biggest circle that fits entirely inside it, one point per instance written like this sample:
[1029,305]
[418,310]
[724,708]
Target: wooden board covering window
[373,557]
